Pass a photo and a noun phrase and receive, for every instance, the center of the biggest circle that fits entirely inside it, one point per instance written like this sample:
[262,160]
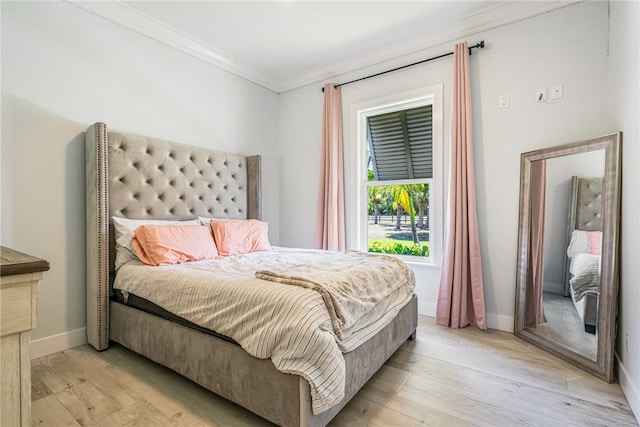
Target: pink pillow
[241,236]
[173,244]
[595,238]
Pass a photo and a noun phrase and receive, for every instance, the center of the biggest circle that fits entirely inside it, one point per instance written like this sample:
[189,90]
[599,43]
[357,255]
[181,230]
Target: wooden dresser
[19,275]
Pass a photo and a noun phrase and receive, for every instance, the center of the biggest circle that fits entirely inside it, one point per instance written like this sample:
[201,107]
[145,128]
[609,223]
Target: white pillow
[123,230]
[206,221]
[579,243]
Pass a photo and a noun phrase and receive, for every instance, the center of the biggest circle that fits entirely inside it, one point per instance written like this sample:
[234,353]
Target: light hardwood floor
[445,377]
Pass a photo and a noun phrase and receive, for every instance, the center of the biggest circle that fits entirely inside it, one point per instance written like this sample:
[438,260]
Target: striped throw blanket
[291,325]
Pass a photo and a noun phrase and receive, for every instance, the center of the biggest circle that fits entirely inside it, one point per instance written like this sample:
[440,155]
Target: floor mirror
[567,275]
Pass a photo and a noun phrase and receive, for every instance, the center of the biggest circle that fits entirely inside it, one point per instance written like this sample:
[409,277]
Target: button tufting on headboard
[174,180]
[589,200]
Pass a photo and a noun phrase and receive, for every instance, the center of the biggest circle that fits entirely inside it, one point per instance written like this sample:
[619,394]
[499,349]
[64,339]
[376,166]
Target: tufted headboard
[585,212]
[137,177]
[585,207]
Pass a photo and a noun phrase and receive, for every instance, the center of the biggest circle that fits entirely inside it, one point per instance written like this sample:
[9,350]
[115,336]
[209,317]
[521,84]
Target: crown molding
[505,13]
[121,14]
[395,54]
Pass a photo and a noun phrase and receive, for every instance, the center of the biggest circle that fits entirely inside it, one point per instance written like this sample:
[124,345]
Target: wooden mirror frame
[602,367]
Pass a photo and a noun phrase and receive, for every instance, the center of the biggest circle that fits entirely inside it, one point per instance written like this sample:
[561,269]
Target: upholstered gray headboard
[585,208]
[138,177]
[585,212]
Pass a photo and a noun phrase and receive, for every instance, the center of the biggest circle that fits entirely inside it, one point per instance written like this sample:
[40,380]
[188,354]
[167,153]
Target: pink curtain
[461,295]
[534,310]
[330,230]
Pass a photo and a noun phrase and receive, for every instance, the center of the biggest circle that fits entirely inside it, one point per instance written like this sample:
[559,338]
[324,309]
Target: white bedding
[585,269]
[289,324]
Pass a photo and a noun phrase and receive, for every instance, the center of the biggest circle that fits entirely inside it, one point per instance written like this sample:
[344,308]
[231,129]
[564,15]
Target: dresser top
[13,262]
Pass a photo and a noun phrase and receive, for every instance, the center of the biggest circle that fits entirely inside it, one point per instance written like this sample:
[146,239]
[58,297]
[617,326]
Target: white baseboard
[426,308]
[556,288]
[629,389]
[494,321]
[53,344]
[500,322]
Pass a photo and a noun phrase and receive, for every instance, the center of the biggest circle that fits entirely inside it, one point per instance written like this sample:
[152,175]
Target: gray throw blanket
[586,282]
[350,283]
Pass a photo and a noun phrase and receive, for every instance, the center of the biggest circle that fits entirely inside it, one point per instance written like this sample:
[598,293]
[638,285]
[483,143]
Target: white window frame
[429,95]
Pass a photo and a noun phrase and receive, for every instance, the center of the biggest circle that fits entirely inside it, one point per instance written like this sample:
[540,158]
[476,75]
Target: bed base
[587,309]
[590,315]
[227,370]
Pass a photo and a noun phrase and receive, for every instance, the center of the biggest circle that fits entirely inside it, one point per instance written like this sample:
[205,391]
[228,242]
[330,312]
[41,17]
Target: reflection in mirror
[571,266]
[567,270]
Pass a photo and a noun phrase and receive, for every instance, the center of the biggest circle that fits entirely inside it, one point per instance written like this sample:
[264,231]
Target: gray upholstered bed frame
[585,213]
[144,178]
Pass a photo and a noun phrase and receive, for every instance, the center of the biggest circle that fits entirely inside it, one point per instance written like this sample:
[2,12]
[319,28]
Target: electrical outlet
[556,92]
[541,94]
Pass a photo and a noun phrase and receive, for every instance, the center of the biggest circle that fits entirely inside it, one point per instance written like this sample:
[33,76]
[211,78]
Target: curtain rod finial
[479,45]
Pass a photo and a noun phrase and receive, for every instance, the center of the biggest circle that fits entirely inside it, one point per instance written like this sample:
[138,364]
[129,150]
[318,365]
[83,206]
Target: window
[399,142]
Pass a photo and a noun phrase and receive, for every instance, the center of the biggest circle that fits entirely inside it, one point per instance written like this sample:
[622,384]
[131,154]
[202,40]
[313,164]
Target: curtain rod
[479,45]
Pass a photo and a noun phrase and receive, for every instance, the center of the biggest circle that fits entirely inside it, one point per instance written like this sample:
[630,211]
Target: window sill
[429,263]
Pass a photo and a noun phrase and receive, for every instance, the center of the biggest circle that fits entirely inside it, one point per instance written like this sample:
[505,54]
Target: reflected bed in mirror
[567,280]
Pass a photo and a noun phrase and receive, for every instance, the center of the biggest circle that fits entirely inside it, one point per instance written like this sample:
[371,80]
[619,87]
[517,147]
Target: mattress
[140,303]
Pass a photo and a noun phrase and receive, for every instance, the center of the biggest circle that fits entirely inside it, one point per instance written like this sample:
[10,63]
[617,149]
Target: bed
[135,177]
[582,264]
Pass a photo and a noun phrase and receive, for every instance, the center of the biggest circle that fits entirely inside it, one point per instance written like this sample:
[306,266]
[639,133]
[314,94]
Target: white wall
[624,108]
[567,46]
[63,69]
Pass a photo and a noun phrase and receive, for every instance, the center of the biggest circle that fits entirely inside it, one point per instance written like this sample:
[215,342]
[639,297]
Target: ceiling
[286,44]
